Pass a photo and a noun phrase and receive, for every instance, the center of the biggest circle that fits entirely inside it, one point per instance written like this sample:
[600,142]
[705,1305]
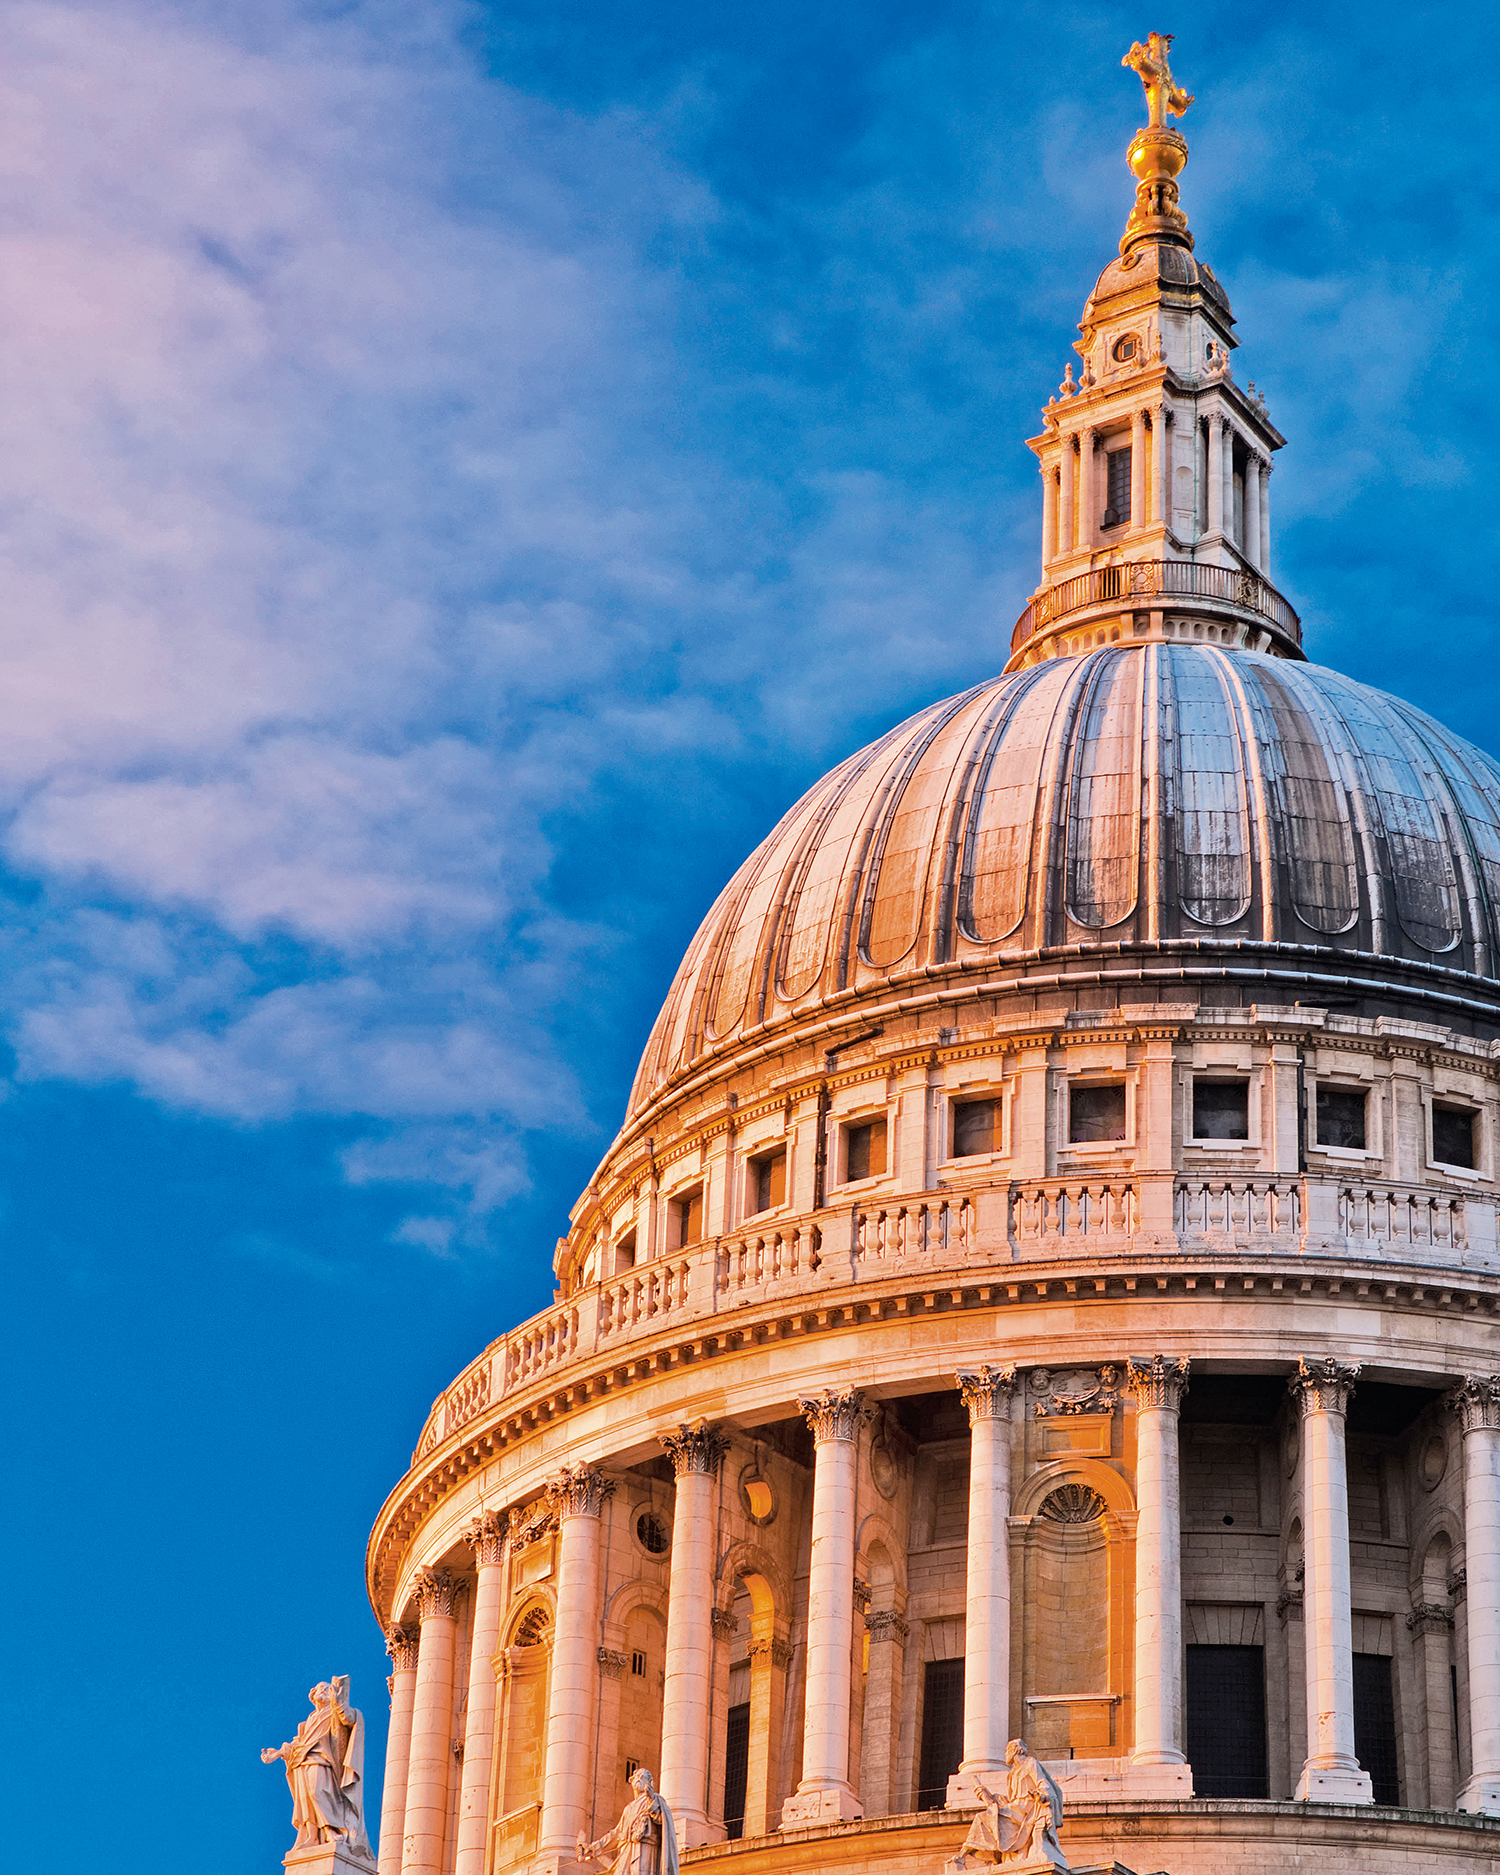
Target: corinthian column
[1250,546]
[401,1645]
[1477,1403]
[1158,1386]
[696,1453]
[1138,515]
[987,1394]
[825,1794]
[486,1538]
[431,1727]
[1265,518]
[1068,523]
[1161,465]
[1215,478]
[1049,515]
[576,1496]
[1331,1773]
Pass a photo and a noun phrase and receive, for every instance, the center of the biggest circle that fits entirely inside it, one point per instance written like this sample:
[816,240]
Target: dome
[1157,794]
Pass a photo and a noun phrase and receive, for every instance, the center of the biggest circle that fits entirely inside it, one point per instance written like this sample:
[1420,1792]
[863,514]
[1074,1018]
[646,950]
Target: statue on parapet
[325,1765]
[1016,1830]
[1163,93]
[644,1841]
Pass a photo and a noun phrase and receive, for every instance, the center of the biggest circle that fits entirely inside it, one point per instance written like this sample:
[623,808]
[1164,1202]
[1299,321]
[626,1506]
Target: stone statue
[1163,93]
[325,1770]
[644,1841]
[1017,1830]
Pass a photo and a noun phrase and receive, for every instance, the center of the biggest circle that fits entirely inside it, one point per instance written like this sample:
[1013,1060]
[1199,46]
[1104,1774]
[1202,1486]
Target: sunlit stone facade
[1046,1283]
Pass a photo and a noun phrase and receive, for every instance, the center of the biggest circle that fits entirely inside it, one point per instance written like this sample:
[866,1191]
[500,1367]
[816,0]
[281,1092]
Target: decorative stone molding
[1429,1618]
[486,1537]
[401,1644]
[612,1663]
[776,1650]
[861,1595]
[579,1491]
[835,1414]
[434,1590]
[1323,1386]
[886,1625]
[1289,1604]
[1088,1390]
[1476,1400]
[699,1448]
[1157,1382]
[1073,1503]
[724,1624]
[987,1393]
[1458,1584]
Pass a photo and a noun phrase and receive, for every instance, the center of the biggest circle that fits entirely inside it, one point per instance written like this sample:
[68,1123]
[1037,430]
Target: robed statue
[644,1841]
[1020,1825]
[325,1765]
[1163,93]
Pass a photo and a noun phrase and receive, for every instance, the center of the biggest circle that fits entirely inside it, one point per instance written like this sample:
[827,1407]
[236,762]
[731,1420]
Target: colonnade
[420,1753]
[1072,490]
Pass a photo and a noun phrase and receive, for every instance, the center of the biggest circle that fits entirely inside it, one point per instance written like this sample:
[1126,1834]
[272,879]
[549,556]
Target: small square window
[1096,1113]
[1221,1109]
[687,1218]
[1341,1118]
[976,1127]
[864,1150]
[767,1182]
[1453,1135]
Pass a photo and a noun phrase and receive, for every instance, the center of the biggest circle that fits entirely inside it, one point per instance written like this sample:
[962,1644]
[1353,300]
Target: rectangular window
[1453,1135]
[638,1663]
[864,1150]
[1221,1109]
[1226,1721]
[687,1219]
[1096,1113]
[625,1253]
[1341,1118]
[976,1127]
[1117,488]
[1374,1725]
[632,1765]
[768,1181]
[736,1769]
[942,1731]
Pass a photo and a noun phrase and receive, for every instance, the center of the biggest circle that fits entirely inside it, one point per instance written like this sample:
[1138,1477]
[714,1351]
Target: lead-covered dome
[1137,794]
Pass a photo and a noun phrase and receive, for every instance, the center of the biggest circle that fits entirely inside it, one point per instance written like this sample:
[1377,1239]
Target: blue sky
[464,470]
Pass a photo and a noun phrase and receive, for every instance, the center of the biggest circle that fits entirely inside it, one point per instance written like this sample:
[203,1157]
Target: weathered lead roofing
[1134,794]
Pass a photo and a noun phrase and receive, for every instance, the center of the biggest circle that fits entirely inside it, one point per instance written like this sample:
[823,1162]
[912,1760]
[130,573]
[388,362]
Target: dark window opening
[976,1127]
[1453,1135]
[687,1219]
[638,1663]
[942,1731]
[736,1769]
[1375,1725]
[625,1253]
[1221,1109]
[1117,488]
[632,1765]
[653,1533]
[1096,1113]
[768,1182]
[1341,1118]
[864,1150]
[1226,1721]
[1124,349]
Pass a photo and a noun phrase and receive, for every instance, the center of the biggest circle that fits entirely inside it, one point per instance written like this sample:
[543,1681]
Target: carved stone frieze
[1430,1618]
[579,1491]
[1081,1390]
[698,1448]
[1476,1400]
[1323,1386]
[401,1644]
[486,1537]
[776,1650]
[1458,1584]
[835,1414]
[987,1392]
[1157,1382]
[612,1663]
[886,1625]
[434,1590]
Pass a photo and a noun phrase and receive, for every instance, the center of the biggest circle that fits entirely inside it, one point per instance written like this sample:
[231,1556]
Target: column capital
[1323,1386]
[886,1625]
[486,1537]
[699,1448]
[723,1623]
[987,1391]
[1476,1400]
[579,1491]
[1158,1381]
[401,1644]
[434,1590]
[834,1414]
[1430,1618]
[612,1662]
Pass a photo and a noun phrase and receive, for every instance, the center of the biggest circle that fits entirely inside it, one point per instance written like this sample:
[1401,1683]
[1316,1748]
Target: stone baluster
[825,1794]
[1331,1773]
[486,1539]
[987,1394]
[1215,476]
[401,1645]
[696,1453]
[1158,1385]
[1068,497]
[576,1496]
[1049,515]
[1138,516]
[424,1825]
[1477,1403]
[1251,544]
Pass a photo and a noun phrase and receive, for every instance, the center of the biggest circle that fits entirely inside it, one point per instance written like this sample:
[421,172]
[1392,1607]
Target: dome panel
[1104,796]
[1318,836]
[1002,816]
[1213,818]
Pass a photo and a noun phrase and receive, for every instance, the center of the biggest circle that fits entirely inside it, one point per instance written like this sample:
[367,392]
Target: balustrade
[1401,1217]
[1044,1213]
[1237,1207]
